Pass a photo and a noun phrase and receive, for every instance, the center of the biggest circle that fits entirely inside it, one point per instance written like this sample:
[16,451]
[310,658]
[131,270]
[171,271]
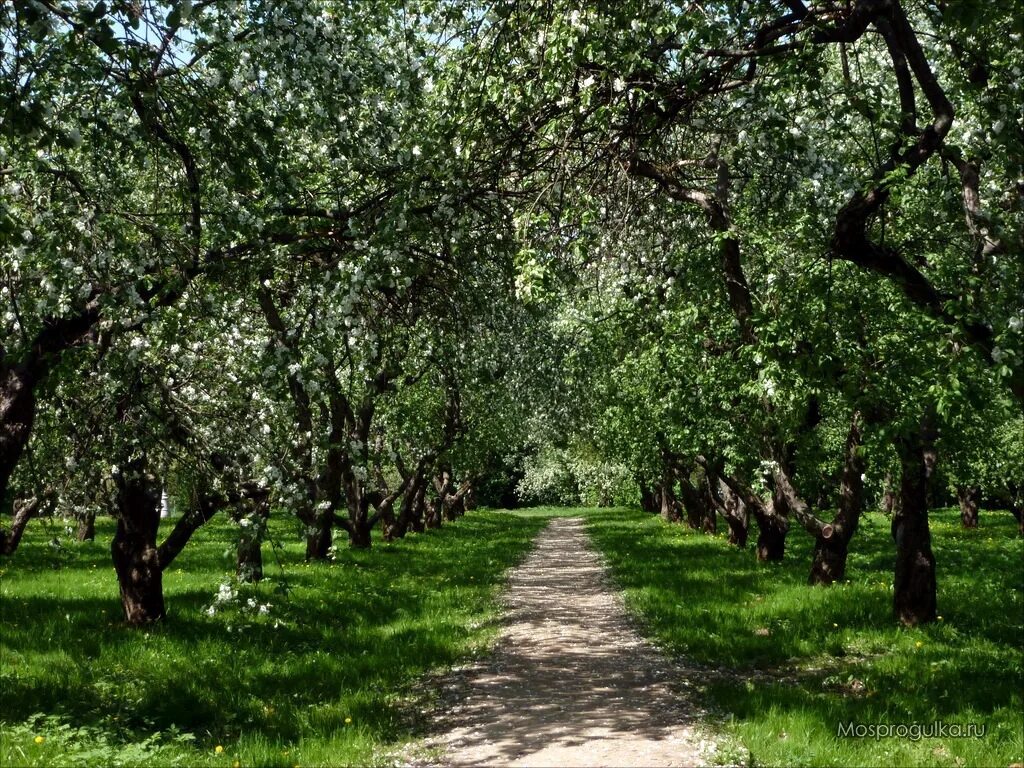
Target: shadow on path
[570,683]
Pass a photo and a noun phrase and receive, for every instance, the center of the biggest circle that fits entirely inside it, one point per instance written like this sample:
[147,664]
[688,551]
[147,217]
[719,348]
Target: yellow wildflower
[219,749]
[39,739]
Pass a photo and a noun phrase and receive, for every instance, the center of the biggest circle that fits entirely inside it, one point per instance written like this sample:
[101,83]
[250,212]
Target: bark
[249,560]
[668,507]
[394,526]
[359,536]
[419,507]
[24,510]
[87,527]
[360,522]
[134,551]
[771,533]
[969,497]
[454,507]
[890,499]
[738,528]
[649,500]
[832,541]
[442,486]
[914,600]
[700,514]
[710,521]
[730,506]
[17,415]
[319,537]
[434,513]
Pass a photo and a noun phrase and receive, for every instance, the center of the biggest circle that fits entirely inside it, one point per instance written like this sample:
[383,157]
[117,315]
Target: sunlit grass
[797,661]
[323,678]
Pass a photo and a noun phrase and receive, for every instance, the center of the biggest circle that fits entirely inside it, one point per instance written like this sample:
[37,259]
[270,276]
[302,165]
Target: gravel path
[571,683]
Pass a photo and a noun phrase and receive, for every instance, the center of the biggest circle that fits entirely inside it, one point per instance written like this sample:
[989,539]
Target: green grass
[324,678]
[328,676]
[788,663]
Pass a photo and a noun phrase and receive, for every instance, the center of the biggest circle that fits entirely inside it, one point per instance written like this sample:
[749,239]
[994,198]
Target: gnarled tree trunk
[24,510]
[319,536]
[695,504]
[771,533]
[969,497]
[253,526]
[17,415]
[914,600]
[134,549]
[435,511]
[832,542]
[86,527]
[731,507]
[360,523]
[434,518]
[418,510]
[890,498]
[649,498]
[667,504]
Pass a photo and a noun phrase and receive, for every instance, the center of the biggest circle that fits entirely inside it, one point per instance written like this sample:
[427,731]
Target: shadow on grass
[335,653]
[786,657]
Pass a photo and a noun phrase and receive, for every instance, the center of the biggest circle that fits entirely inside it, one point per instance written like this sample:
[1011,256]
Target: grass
[324,677]
[327,676]
[794,662]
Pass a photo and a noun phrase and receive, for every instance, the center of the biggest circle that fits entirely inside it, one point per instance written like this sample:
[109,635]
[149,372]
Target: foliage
[567,477]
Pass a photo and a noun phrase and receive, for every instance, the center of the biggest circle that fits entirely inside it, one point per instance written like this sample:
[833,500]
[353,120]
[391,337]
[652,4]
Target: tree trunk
[24,510]
[249,561]
[359,536]
[418,510]
[361,524]
[890,499]
[914,600]
[319,537]
[1017,511]
[87,527]
[434,513]
[694,503]
[649,498]
[667,504]
[731,507]
[392,526]
[831,544]
[771,535]
[134,550]
[452,508]
[442,485]
[738,530]
[969,497]
[829,562]
[17,415]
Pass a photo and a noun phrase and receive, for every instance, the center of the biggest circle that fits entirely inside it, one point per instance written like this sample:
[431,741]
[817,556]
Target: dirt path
[571,683]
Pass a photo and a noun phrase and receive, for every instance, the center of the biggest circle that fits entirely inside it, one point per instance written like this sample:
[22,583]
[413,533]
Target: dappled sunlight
[570,681]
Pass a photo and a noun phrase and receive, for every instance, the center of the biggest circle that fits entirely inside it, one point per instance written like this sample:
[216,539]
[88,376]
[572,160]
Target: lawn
[787,663]
[326,673]
[318,669]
